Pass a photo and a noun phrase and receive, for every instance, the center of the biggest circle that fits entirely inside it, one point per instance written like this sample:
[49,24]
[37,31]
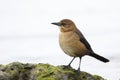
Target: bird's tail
[99,57]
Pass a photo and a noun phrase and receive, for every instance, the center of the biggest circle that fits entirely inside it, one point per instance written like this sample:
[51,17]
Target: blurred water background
[26,34]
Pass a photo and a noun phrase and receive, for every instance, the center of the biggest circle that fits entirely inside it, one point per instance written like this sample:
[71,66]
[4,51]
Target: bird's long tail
[99,57]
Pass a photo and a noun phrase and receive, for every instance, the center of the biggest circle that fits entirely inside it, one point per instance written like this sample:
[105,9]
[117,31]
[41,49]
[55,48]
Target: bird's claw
[66,66]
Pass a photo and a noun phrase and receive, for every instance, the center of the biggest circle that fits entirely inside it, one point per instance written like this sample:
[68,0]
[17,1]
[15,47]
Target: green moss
[14,69]
[45,71]
[20,71]
[96,77]
[48,72]
[2,68]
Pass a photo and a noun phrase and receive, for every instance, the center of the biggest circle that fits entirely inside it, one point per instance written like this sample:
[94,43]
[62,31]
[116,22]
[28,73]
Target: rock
[20,71]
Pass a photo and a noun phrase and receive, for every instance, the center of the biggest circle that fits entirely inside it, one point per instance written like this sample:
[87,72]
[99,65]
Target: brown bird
[73,43]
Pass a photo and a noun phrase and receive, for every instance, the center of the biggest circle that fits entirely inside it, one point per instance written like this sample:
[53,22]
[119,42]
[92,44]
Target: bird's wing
[83,40]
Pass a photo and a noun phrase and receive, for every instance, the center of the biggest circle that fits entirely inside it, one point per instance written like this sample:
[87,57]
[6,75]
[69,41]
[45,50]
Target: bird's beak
[57,23]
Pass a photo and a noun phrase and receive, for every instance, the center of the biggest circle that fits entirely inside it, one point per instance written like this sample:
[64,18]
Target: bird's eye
[63,24]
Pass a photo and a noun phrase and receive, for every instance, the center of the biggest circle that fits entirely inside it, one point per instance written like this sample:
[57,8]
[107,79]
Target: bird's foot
[67,66]
[78,70]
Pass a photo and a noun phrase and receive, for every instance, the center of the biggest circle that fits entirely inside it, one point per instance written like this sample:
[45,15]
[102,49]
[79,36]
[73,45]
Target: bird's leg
[71,62]
[79,64]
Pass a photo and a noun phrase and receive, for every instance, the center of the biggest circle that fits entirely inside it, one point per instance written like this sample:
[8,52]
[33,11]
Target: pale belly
[71,45]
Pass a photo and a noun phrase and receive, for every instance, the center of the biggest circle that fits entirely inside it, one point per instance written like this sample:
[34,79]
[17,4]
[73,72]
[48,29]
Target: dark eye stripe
[63,24]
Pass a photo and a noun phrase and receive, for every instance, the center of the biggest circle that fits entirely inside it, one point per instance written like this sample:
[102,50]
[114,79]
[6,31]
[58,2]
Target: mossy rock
[20,71]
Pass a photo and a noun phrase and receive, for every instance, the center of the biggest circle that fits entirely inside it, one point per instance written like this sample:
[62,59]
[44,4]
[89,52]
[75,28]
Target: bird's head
[65,25]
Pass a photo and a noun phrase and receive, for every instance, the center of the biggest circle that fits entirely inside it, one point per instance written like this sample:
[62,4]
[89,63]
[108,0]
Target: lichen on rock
[20,71]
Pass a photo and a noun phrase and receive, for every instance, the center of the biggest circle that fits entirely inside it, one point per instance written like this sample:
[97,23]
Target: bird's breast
[71,45]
